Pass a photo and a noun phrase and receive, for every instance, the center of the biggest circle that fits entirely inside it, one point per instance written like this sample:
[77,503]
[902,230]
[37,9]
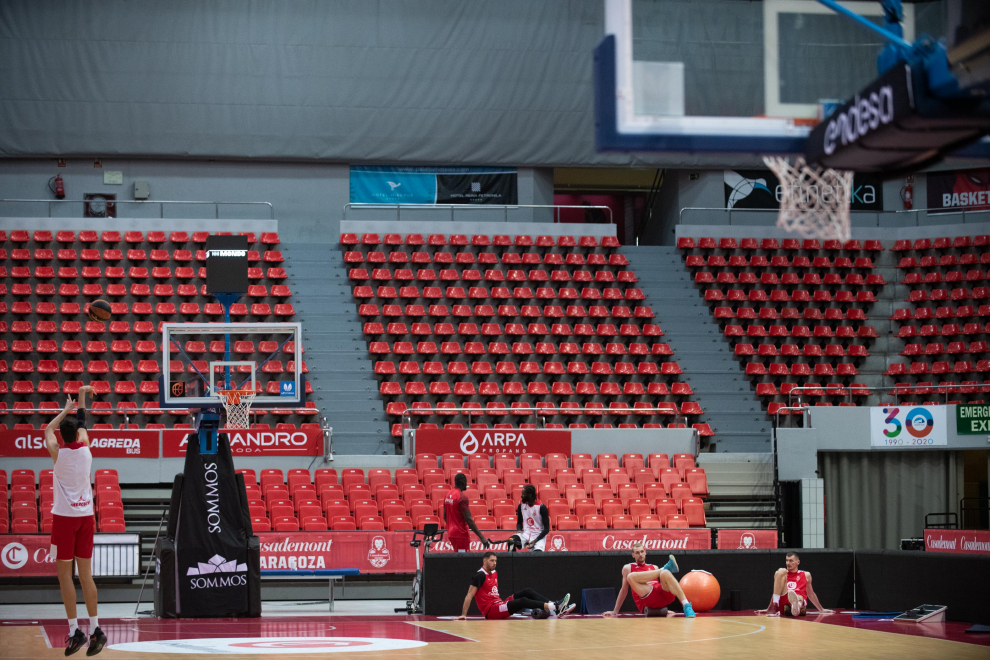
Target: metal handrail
[475,207]
[806,413]
[128,412]
[854,214]
[161,203]
[947,388]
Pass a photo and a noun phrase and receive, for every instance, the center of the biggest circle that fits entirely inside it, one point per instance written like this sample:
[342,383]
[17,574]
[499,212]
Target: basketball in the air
[99,310]
[701,589]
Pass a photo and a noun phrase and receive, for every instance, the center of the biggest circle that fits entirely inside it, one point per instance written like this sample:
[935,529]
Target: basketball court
[720,634]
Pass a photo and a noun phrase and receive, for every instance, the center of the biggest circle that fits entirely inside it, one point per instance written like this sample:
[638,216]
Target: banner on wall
[390,552]
[959,190]
[372,184]
[104,443]
[255,442]
[143,443]
[908,426]
[970,541]
[747,539]
[760,189]
[492,441]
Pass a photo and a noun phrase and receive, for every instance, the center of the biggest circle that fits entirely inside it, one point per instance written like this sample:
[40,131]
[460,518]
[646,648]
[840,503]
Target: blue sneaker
[671,564]
[688,611]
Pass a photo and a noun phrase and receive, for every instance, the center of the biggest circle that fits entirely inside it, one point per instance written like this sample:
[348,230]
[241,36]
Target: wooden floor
[729,637]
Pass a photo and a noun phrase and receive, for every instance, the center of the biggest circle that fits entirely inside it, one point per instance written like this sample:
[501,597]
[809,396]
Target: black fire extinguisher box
[209,562]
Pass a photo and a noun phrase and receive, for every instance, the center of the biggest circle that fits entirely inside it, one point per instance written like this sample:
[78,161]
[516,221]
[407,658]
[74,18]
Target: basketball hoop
[814,202]
[237,403]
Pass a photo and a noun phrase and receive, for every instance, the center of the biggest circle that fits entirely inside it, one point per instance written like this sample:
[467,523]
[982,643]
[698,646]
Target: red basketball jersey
[487,594]
[456,526]
[639,568]
[798,583]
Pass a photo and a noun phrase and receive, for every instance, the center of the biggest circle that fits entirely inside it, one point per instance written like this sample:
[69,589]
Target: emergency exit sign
[972,420]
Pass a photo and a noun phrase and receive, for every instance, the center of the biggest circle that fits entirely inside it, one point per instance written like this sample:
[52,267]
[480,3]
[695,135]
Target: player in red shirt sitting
[653,589]
[484,591]
[796,586]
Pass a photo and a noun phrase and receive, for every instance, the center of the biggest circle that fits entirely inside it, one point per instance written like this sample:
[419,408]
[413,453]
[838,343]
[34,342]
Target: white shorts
[528,536]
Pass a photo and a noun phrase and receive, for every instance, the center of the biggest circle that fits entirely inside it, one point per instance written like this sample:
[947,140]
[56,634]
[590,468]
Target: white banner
[908,426]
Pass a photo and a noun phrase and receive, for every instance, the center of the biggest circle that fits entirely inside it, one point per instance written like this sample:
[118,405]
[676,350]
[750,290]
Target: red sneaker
[773,609]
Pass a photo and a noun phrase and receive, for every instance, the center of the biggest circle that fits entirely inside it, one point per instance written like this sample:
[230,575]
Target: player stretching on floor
[72,519]
[796,586]
[652,589]
[457,514]
[484,591]
[532,521]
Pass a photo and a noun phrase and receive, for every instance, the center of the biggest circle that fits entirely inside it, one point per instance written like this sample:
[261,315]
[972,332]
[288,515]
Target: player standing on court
[73,523]
[484,591]
[653,589]
[532,520]
[796,585]
[457,514]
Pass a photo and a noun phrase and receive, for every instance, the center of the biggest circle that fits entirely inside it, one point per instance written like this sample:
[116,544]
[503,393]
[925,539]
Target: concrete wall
[308,198]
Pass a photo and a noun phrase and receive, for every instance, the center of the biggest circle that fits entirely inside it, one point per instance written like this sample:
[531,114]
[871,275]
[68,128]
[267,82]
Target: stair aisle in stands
[341,371]
[707,360]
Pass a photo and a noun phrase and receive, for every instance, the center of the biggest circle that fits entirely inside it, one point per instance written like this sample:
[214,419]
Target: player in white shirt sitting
[532,521]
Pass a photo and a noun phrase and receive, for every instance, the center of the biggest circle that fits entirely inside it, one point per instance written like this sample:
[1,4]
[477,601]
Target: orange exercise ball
[701,588]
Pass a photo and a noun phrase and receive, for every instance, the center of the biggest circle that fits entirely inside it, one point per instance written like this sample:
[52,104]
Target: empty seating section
[26,506]
[580,491]
[52,348]
[795,312]
[945,322]
[504,325]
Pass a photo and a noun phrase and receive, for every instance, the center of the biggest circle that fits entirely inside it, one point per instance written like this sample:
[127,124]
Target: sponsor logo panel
[970,541]
[104,443]
[26,555]
[493,441]
[295,442]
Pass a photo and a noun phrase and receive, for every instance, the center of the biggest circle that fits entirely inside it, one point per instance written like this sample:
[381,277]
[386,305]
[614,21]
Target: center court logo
[269,645]
[14,556]
[378,555]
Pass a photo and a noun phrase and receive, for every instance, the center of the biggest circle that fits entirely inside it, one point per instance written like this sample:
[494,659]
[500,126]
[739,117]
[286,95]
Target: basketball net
[814,202]
[237,403]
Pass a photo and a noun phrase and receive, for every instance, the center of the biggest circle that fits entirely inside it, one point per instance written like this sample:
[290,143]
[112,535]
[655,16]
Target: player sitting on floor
[484,591]
[796,586]
[457,515]
[653,589]
[532,521]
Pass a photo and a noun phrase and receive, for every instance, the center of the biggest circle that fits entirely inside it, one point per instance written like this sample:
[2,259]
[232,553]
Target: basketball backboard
[730,76]
[265,357]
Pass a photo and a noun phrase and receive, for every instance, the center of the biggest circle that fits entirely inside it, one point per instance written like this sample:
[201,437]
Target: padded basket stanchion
[237,403]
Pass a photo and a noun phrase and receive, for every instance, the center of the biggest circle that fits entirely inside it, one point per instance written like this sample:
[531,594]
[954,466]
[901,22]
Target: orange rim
[234,396]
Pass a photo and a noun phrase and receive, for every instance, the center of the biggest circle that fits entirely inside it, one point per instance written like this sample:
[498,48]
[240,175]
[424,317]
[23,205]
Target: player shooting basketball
[73,523]
[653,589]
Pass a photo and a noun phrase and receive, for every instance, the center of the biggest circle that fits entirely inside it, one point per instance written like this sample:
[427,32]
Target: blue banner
[374,184]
